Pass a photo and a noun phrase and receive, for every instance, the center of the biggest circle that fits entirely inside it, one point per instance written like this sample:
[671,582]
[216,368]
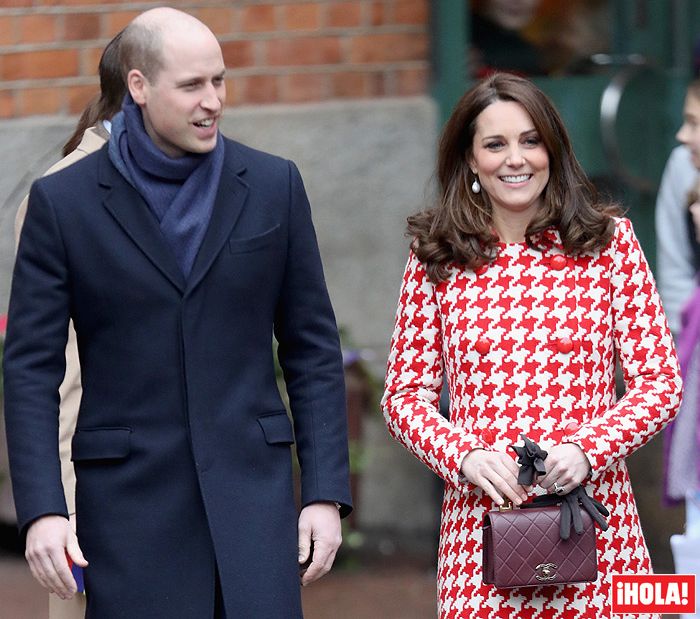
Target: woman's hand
[496,473]
[567,466]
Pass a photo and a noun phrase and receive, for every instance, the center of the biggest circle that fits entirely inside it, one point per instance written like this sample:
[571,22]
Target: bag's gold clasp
[545,572]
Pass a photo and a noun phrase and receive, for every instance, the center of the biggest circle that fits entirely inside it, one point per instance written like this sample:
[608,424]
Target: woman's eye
[494,145]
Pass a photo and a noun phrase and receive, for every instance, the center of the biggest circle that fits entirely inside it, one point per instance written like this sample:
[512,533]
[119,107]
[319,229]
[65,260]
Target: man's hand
[496,473]
[49,539]
[319,524]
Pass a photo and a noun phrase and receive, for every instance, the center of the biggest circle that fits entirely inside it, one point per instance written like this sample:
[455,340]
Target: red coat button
[487,435]
[558,262]
[482,345]
[565,345]
[572,427]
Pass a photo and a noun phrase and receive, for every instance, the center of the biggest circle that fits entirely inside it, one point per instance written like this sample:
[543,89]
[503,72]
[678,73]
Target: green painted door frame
[450,42]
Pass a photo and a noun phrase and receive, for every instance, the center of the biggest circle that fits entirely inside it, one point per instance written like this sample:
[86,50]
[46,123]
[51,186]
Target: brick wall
[276,51]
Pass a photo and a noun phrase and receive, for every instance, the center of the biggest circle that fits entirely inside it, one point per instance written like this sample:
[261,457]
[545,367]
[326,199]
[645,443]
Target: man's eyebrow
[196,79]
[189,80]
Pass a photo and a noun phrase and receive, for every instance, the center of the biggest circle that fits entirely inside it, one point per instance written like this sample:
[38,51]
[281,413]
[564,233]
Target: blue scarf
[180,192]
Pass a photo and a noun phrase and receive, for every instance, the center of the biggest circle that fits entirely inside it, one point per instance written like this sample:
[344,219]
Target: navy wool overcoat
[183,445]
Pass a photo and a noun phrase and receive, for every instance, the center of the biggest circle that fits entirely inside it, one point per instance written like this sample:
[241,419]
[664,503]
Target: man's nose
[211,99]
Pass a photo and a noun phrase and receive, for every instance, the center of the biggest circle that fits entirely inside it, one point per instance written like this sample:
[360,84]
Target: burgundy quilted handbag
[523,548]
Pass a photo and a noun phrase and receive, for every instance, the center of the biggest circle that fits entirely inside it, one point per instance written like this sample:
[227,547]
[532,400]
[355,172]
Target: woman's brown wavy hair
[105,105]
[459,228]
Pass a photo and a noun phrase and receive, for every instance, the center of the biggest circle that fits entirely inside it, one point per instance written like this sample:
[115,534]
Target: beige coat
[93,139]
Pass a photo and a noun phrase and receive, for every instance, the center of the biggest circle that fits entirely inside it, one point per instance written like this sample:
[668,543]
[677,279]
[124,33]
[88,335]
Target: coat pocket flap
[277,428]
[101,444]
[239,246]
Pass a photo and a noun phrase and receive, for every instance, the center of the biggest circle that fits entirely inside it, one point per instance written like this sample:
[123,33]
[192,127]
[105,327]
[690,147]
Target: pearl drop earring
[476,188]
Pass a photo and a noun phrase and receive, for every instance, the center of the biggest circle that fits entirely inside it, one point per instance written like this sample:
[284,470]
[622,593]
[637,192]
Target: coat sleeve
[34,363]
[647,357]
[70,390]
[311,359]
[414,381]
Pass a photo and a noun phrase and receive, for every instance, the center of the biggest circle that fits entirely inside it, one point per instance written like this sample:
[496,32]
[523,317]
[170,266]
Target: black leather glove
[595,509]
[531,461]
[570,510]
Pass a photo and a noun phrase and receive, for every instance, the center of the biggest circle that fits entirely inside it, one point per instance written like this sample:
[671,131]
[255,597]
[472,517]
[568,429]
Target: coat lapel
[133,215]
[230,199]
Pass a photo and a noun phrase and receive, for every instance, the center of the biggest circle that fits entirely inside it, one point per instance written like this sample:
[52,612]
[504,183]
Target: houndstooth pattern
[526,303]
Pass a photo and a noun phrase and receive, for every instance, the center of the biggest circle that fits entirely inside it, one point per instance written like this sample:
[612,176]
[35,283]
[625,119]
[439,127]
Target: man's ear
[137,84]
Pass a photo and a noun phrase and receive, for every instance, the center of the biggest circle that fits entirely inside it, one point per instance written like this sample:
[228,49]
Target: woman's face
[509,157]
[689,133]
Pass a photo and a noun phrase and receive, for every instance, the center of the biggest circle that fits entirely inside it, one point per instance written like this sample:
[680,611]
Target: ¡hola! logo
[653,593]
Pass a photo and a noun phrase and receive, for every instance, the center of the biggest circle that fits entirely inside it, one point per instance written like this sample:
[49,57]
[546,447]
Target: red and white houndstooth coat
[527,344]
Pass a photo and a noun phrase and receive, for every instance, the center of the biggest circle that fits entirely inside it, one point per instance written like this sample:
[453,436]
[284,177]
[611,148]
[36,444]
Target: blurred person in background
[678,237]
[92,130]
[498,42]
[678,233]
[520,288]
[677,245]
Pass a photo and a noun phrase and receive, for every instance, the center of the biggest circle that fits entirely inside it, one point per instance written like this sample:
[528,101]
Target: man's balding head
[144,39]
[175,73]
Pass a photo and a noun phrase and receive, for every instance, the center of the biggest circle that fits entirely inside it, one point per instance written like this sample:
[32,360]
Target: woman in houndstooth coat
[521,289]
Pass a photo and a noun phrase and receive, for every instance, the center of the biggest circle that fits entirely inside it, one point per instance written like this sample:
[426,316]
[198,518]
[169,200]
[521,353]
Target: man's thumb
[304,546]
[74,552]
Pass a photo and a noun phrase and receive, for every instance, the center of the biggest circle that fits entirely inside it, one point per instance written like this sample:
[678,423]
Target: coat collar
[133,215]
[552,238]
[93,139]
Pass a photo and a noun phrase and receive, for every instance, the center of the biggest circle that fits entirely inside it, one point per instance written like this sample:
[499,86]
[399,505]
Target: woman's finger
[491,491]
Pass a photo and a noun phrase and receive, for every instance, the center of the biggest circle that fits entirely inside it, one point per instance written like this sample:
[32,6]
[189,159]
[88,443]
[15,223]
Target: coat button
[558,262]
[572,427]
[482,345]
[565,345]
[487,435]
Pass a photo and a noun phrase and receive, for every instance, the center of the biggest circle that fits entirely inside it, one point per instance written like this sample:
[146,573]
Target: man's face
[182,104]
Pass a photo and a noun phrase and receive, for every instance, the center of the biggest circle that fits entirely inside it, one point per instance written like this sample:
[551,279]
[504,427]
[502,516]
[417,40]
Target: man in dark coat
[178,254]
